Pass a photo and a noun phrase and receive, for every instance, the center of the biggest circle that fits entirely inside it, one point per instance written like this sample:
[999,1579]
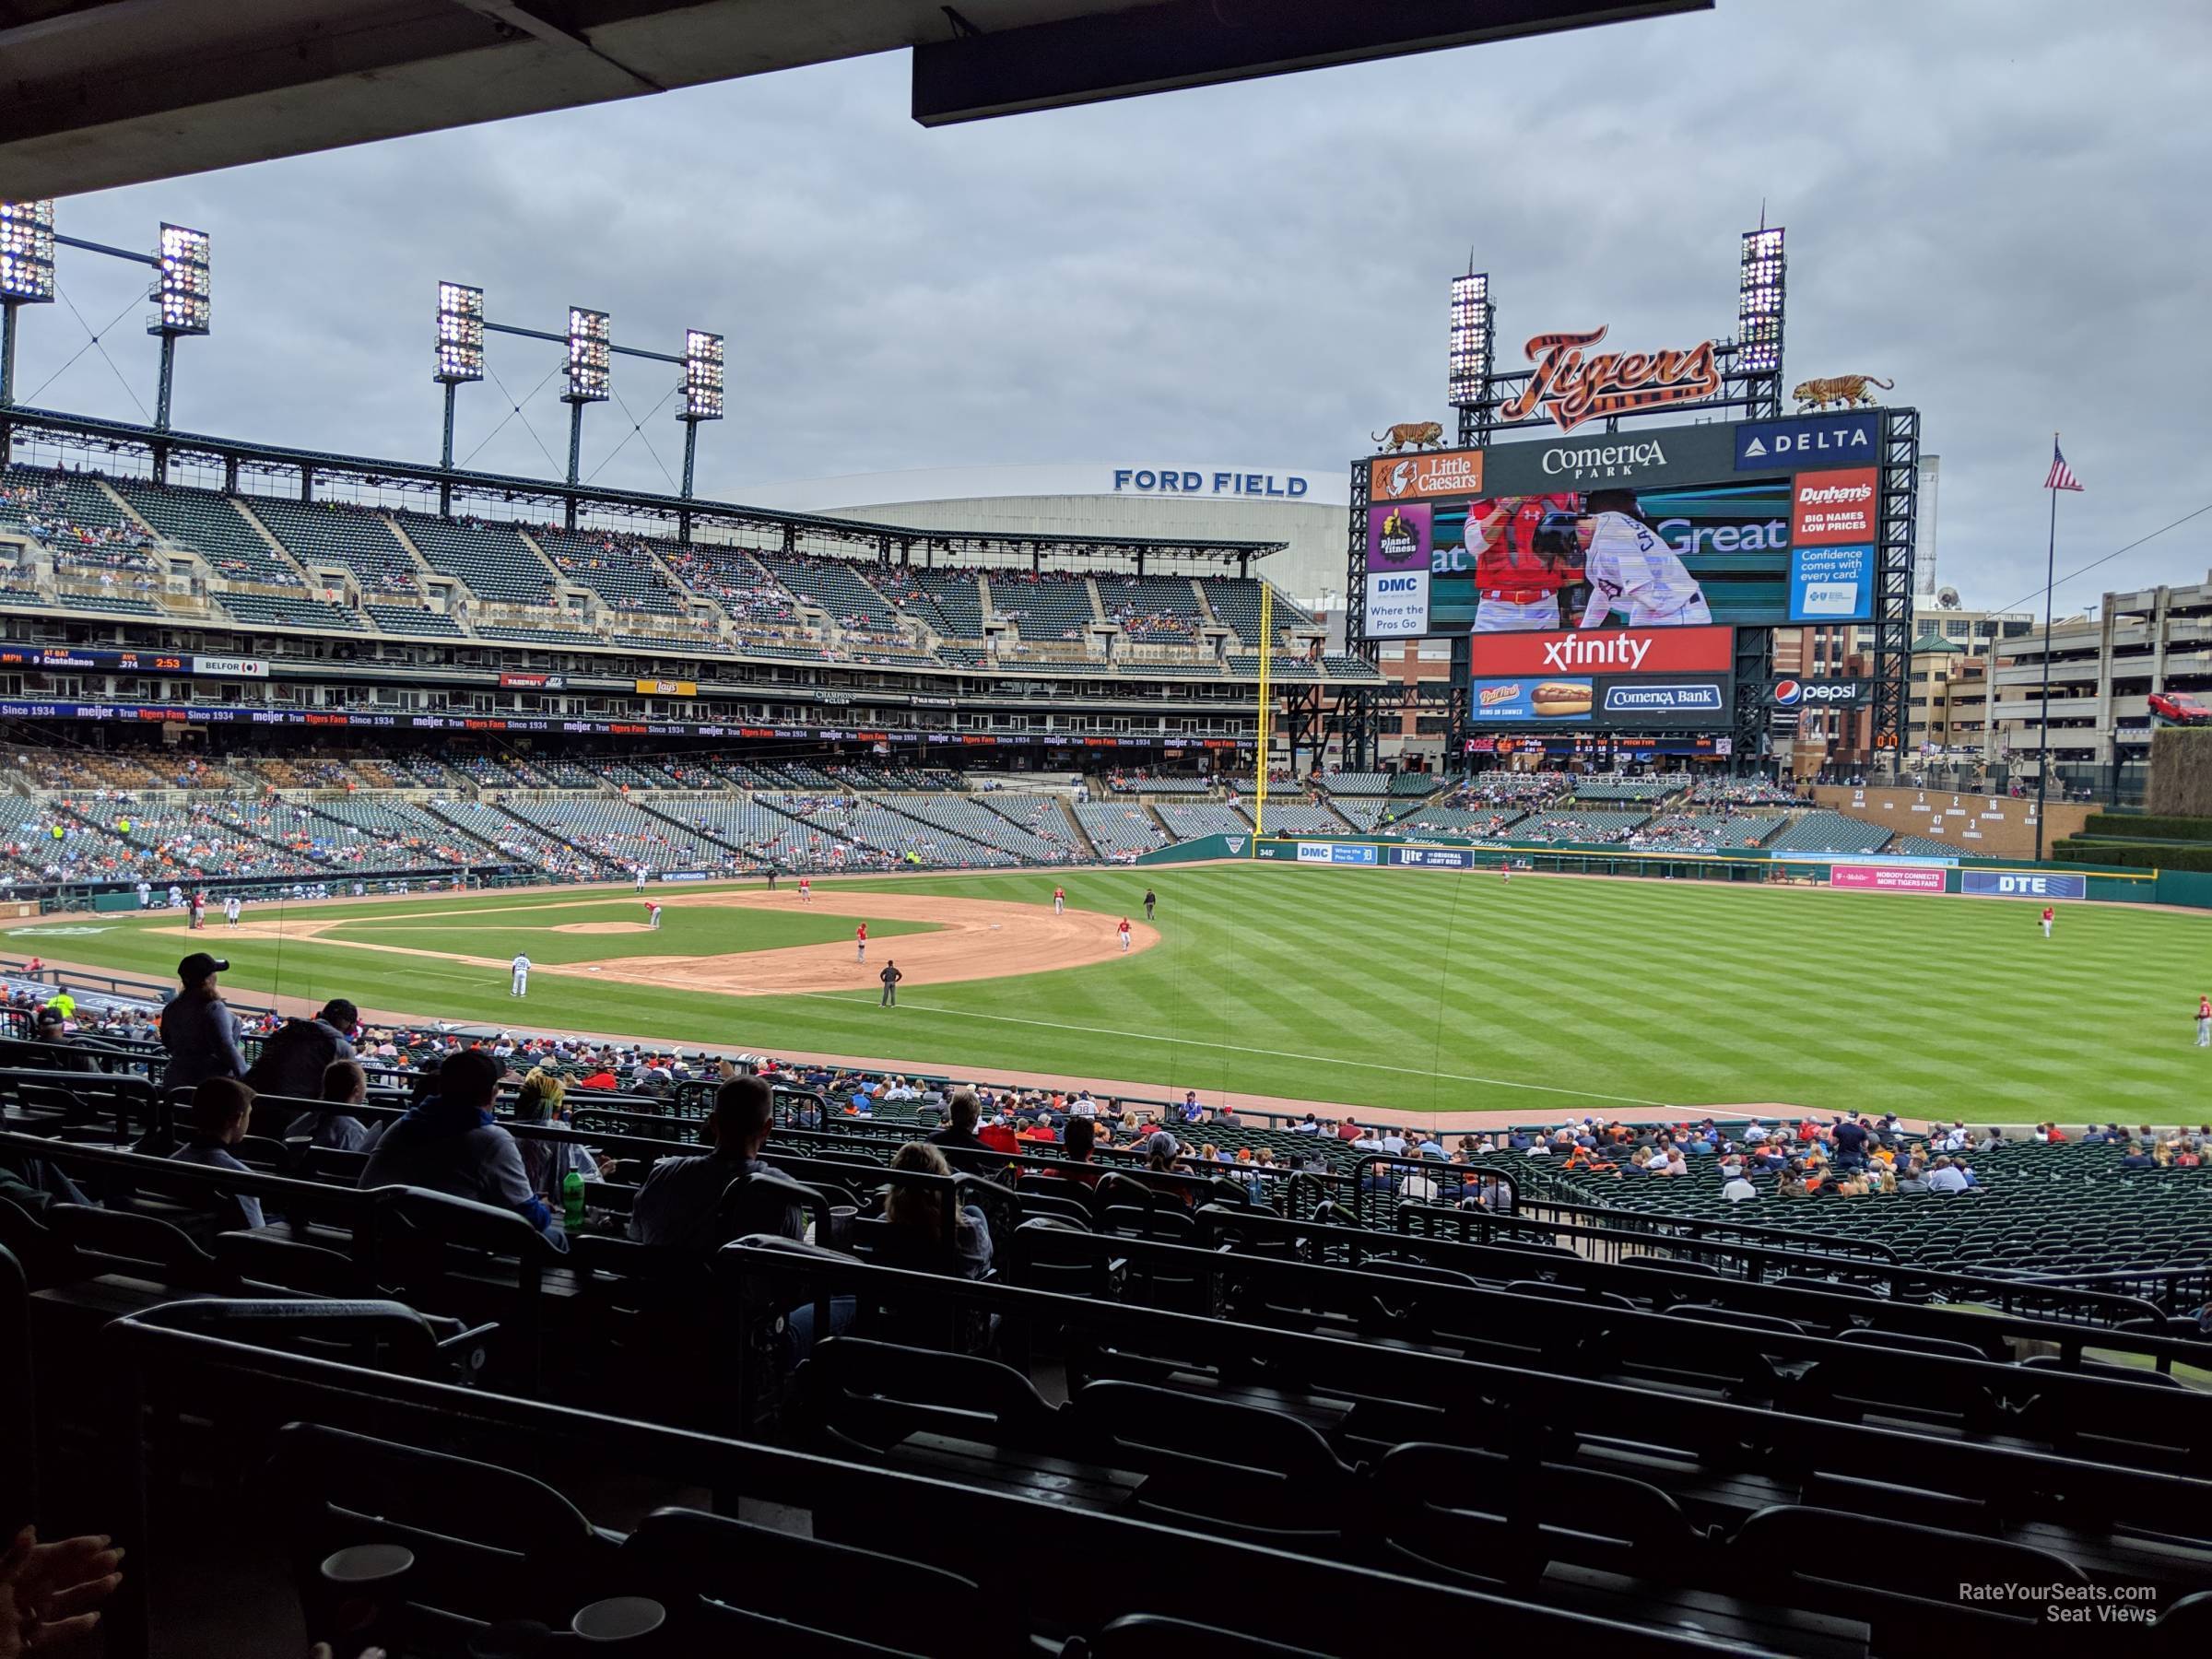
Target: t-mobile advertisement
[1886,878]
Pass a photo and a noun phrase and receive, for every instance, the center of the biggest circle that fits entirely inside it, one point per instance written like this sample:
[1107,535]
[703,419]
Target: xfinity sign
[1786,445]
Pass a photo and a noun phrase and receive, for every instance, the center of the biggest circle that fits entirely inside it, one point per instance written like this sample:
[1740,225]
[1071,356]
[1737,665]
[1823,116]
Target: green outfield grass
[1425,991]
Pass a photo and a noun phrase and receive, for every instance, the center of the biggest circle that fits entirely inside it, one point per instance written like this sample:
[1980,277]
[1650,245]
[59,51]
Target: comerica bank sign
[1172,480]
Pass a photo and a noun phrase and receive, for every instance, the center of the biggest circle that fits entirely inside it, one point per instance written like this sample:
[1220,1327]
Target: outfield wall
[1970,878]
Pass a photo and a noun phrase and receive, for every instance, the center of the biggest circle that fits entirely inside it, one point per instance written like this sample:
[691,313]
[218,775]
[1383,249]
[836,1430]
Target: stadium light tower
[460,360]
[703,391]
[1471,348]
[591,376]
[26,275]
[182,293]
[1759,294]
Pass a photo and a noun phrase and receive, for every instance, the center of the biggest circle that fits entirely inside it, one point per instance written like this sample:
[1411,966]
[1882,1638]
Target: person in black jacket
[292,1061]
[890,976]
[198,1029]
[958,1139]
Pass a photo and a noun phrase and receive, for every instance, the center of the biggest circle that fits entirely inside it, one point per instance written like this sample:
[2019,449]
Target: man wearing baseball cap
[198,1029]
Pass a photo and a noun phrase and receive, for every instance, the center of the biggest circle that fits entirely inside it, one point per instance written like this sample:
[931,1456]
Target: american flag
[2062,475]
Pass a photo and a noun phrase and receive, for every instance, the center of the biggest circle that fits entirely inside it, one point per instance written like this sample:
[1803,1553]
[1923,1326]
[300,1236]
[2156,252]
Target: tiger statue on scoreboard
[1421,434]
[1845,391]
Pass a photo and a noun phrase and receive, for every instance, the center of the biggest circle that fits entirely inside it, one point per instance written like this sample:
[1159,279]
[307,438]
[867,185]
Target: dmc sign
[1171,480]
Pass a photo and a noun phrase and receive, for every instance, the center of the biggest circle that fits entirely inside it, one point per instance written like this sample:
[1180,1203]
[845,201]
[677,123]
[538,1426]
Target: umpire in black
[890,976]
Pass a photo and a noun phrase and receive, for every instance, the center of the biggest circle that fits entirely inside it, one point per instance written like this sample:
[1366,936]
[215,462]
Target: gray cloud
[1992,202]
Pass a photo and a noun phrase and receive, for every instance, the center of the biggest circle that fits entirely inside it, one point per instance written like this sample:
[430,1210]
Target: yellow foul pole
[1259,805]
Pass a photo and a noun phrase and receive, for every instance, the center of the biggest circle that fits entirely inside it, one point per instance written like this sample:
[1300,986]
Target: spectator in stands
[449,1143]
[2138,1157]
[198,1027]
[1079,1167]
[1163,1157]
[1946,1177]
[344,1084]
[292,1062]
[917,1214]
[73,1053]
[547,1163]
[679,1208]
[958,1139]
[216,1122]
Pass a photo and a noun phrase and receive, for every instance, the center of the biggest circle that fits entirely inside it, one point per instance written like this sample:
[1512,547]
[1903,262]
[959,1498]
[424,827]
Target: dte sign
[2021,884]
[1169,480]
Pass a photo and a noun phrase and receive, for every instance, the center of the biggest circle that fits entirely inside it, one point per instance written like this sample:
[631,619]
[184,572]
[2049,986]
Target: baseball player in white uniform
[520,987]
[1629,567]
[230,909]
[638,871]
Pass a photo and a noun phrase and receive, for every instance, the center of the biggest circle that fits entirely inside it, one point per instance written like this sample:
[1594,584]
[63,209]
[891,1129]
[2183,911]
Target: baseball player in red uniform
[1123,931]
[1518,581]
[2203,1022]
[1059,901]
[652,913]
[806,890]
[2050,916]
[859,941]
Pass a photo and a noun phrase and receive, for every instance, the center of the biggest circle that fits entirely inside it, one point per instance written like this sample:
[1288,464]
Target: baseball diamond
[1438,992]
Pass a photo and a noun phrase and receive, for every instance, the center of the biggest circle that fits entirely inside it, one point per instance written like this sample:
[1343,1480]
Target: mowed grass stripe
[1350,984]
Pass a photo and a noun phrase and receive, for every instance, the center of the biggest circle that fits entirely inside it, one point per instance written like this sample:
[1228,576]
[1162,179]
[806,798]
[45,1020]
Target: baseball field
[1425,992]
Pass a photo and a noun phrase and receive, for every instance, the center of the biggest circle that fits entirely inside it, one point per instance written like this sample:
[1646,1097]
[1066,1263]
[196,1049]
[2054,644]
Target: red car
[2180,709]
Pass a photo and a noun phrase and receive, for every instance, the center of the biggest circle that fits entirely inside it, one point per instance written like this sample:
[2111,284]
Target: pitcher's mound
[602,927]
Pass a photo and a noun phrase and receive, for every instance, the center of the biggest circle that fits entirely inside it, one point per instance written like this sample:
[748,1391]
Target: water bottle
[571,1199]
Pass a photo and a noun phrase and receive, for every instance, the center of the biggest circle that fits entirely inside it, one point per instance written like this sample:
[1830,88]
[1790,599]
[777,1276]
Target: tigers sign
[1572,388]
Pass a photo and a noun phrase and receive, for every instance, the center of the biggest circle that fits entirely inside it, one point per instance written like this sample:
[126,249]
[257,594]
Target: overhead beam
[1204,42]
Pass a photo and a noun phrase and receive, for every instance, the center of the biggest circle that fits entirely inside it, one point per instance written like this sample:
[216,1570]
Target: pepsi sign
[1819,693]
[1817,441]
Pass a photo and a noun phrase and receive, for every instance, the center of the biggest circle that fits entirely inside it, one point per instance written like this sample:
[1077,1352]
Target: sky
[1994,203]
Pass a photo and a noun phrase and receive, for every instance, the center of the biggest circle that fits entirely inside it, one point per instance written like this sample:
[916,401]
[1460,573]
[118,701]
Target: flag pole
[2042,760]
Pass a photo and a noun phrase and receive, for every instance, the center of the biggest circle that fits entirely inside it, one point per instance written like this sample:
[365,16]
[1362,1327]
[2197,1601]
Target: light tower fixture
[26,278]
[590,357]
[1470,338]
[1760,295]
[182,294]
[460,334]
[702,376]
[27,252]
[181,286]
[459,362]
[702,396]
